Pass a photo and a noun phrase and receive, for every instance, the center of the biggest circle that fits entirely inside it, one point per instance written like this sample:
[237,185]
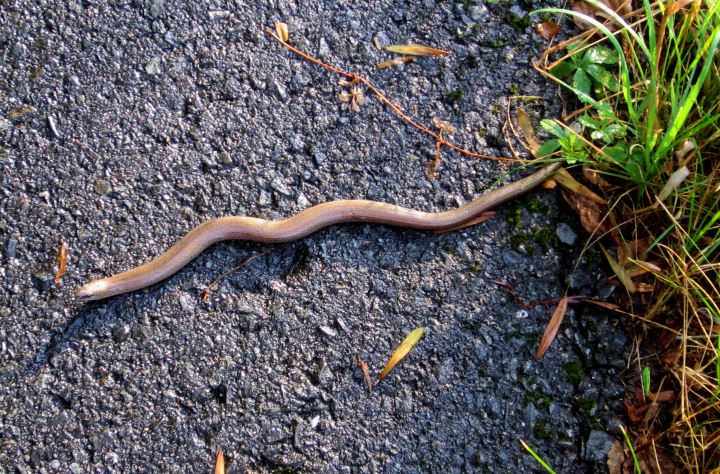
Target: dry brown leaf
[620,271]
[622,7]
[664,396]
[415,50]
[567,181]
[616,458]
[548,29]
[402,351]
[62,262]
[395,62]
[366,373]
[220,462]
[282,31]
[594,178]
[652,460]
[552,328]
[526,128]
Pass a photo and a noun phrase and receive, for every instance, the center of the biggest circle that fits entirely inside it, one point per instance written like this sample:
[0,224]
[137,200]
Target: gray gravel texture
[125,123]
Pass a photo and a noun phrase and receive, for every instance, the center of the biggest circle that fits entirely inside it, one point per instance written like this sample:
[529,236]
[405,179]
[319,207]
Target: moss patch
[543,430]
[574,372]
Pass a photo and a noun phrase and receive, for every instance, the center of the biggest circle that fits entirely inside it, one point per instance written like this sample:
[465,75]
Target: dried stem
[383,98]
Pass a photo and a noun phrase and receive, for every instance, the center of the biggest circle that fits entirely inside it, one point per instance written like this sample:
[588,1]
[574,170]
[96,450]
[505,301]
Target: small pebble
[102,187]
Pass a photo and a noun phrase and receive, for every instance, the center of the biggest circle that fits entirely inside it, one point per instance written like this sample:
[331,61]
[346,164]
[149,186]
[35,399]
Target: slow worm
[299,226]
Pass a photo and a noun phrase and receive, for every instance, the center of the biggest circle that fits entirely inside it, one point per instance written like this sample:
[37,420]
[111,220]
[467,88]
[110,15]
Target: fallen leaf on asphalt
[415,50]
[548,29]
[282,31]
[62,262]
[526,128]
[220,462]
[402,351]
[366,373]
[395,62]
[552,328]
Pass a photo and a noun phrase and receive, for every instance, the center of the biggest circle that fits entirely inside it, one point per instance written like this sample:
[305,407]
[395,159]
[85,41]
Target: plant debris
[395,62]
[366,373]
[401,352]
[62,262]
[282,31]
[220,462]
[548,29]
[416,50]
[552,328]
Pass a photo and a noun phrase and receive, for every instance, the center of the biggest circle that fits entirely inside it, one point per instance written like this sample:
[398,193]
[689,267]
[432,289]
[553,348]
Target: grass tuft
[647,89]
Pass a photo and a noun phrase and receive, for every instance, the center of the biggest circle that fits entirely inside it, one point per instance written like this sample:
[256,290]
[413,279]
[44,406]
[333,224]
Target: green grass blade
[537,458]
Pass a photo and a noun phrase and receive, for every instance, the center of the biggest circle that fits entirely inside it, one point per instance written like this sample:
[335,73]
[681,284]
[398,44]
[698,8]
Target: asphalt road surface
[123,124]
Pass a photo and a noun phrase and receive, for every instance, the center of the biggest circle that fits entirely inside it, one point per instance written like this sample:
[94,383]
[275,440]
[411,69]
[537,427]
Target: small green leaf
[562,70]
[588,122]
[549,147]
[616,130]
[596,71]
[582,82]
[646,380]
[610,82]
[402,351]
[598,135]
[601,55]
[552,127]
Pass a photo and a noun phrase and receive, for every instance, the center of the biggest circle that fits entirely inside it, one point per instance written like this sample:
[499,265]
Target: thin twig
[384,99]
[213,283]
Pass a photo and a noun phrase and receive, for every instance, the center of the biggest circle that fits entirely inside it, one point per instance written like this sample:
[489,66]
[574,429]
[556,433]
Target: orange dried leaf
[415,50]
[526,128]
[548,29]
[282,31]
[402,351]
[62,262]
[552,328]
[620,271]
[395,62]
[220,462]
[366,373]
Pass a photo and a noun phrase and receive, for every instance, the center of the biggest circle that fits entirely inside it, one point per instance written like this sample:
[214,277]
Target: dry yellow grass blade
[220,462]
[415,50]
[401,352]
[552,328]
